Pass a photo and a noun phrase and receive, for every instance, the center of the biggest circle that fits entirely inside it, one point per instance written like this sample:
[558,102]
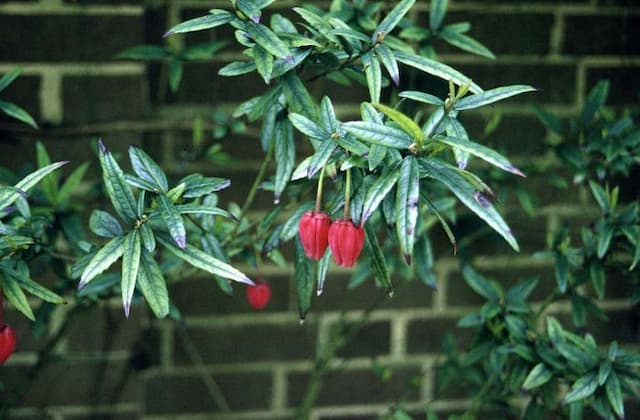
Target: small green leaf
[479,284]
[483,152]
[603,372]
[9,195]
[249,9]
[323,268]
[176,70]
[204,261]
[148,239]
[9,77]
[437,69]
[32,287]
[373,74]
[18,113]
[147,169]
[237,68]
[421,97]
[104,258]
[598,280]
[392,19]
[285,152]
[103,224]
[172,220]
[490,96]
[16,297]
[406,123]
[304,280]
[423,261]
[71,184]
[267,39]
[436,13]
[388,60]
[214,19]
[377,191]
[203,209]
[298,97]
[378,262]
[521,291]
[582,388]
[595,101]
[116,186]
[264,62]
[131,250]
[321,157]
[614,394]
[539,375]
[308,127]
[466,43]
[407,205]
[379,134]
[49,183]
[196,185]
[144,52]
[152,285]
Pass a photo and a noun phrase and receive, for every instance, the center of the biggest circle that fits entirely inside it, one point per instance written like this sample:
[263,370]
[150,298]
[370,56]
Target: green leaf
[152,285]
[204,50]
[214,19]
[490,96]
[421,97]
[392,19]
[264,62]
[323,268]
[598,280]
[196,185]
[308,127]
[479,284]
[441,171]
[116,186]
[249,9]
[561,270]
[437,69]
[614,394]
[32,287]
[539,375]
[203,209]
[388,60]
[379,134]
[600,195]
[304,279]
[423,261]
[141,184]
[378,262]
[18,113]
[321,157]
[9,77]
[603,372]
[377,191]
[436,13]
[298,96]
[483,152]
[49,183]
[144,52]
[582,388]
[147,169]
[466,43]
[16,297]
[267,39]
[103,224]
[131,250]
[72,182]
[595,101]
[9,195]
[104,258]
[175,74]
[373,74]
[148,239]
[204,261]
[406,123]
[237,68]
[172,220]
[285,152]
[521,291]
[455,129]
[552,123]
[604,239]
[407,205]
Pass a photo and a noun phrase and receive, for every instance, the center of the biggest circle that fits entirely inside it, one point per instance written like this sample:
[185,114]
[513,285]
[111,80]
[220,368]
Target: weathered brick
[200,296]
[71,382]
[233,344]
[117,415]
[625,85]
[348,417]
[56,37]
[515,136]
[170,394]
[103,98]
[626,330]
[363,386]
[373,339]
[426,336]
[502,33]
[201,83]
[609,35]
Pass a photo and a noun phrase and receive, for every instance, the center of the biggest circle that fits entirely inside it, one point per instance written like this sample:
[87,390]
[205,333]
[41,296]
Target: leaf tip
[407,258]
[102,147]
[181,241]
[168,33]
[127,309]
[319,291]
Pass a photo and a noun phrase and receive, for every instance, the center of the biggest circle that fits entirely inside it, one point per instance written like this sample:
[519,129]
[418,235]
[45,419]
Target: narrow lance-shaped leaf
[406,123]
[237,68]
[437,69]
[117,188]
[71,183]
[147,237]
[9,77]
[147,169]
[10,195]
[483,152]
[378,190]
[389,62]
[267,39]
[204,261]
[407,200]
[595,100]
[104,258]
[16,297]
[436,13]
[214,19]
[264,62]
[466,43]
[103,224]
[373,74]
[49,183]
[538,376]
[423,261]
[32,287]
[249,9]
[152,284]
[378,262]
[308,127]
[614,395]
[392,19]
[490,96]
[321,157]
[379,134]
[285,152]
[582,388]
[130,268]
[172,219]
[323,267]
[298,97]
[18,113]
[425,98]
[454,129]
[304,280]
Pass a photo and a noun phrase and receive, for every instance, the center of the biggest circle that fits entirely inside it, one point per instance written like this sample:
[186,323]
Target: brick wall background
[259,362]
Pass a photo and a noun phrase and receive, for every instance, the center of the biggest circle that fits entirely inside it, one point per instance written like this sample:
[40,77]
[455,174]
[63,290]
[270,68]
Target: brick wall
[225,358]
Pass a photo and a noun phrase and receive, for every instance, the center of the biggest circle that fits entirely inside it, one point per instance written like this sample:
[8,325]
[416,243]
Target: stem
[346,63]
[319,192]
[347,196]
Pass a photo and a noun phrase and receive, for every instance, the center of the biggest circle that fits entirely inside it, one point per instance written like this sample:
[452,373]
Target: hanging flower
[346,242]
[314,233]
[259,295]
[7,342]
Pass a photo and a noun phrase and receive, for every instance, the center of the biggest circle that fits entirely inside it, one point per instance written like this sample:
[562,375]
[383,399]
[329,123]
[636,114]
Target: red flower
[7,342]
[259,295]
[314,233]
[346,242]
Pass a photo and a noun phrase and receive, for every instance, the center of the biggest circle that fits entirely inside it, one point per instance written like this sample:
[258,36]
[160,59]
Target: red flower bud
[314,233]
[346,242]
[7,342]
[259,295]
